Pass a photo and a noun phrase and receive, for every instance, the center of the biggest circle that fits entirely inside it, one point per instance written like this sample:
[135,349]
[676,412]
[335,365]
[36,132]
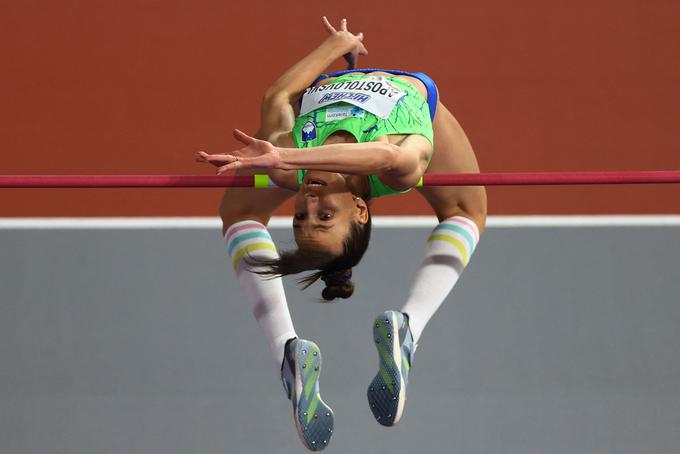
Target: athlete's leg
[245,213]
[462,215]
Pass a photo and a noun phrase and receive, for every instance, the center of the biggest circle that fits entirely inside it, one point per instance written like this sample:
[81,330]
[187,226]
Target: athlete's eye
[326,216]
[299,216]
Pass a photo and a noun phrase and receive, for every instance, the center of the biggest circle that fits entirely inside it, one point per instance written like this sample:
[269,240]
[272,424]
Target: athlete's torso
[345,137]
[365,106]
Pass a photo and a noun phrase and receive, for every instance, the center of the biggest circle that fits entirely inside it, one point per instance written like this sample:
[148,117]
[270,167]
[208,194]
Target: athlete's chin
[322,183]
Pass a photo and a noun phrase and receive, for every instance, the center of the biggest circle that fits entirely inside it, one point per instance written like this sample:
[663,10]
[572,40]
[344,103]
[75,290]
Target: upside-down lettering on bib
[375,94]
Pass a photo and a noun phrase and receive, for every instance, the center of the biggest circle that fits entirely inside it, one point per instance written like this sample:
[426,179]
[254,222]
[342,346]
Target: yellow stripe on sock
[250,248]
[455,242]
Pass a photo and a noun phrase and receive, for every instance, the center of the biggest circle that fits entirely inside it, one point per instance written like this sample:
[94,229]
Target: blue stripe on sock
[460,230]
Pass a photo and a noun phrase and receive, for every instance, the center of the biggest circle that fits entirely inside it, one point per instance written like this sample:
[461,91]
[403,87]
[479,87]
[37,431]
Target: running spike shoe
[387,392]
[314,419]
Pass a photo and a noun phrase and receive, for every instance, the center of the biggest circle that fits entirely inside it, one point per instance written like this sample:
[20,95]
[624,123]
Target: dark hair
[335,271]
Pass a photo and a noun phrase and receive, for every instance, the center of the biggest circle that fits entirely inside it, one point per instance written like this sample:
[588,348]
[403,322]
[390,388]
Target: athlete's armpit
[410,161]
[277,117]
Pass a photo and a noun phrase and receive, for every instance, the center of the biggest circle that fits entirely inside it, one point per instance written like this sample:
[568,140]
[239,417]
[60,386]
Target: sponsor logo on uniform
[344,96]
[308,131]
[339,113]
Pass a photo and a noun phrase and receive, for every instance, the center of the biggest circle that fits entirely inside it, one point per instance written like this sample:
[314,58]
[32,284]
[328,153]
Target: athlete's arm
[277,114]
[400,166]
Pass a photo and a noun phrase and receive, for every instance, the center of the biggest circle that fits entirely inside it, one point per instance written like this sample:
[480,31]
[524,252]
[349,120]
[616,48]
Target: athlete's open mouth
[315,182]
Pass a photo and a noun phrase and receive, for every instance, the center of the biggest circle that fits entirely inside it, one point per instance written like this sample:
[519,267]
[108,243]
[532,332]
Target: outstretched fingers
[215,159]
[243,137]
[343,28]
[229,168]
[201,156]
[327,25]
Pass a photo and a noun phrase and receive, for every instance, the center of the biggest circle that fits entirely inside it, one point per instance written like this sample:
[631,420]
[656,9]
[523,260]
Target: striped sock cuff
[459,232]
[249,239]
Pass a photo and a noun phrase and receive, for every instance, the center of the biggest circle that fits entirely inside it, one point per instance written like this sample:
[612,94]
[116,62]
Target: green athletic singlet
[410,115]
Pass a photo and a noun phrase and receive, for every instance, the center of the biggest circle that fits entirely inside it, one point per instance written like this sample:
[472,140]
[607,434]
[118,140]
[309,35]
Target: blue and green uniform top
[412,114]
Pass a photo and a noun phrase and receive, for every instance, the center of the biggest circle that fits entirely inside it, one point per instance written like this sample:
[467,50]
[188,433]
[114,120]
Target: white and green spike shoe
[387,392]
[314,419]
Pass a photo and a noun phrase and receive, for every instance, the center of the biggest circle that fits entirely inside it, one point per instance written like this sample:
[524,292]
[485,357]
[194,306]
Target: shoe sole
[387,392]
[314,419]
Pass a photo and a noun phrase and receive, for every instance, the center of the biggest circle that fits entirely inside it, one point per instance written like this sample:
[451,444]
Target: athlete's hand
[257,154]
[354,41]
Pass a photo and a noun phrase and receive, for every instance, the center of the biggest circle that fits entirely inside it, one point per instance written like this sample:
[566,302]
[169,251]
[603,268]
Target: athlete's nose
[311,200]
[313,191]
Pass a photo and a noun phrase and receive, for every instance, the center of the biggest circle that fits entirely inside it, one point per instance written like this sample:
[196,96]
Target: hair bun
[338,291]
[338,284]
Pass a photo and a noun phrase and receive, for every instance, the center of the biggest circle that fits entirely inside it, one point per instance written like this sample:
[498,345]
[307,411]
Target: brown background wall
[138,86]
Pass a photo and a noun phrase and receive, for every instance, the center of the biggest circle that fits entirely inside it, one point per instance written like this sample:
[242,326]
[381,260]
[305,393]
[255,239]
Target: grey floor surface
[555,341]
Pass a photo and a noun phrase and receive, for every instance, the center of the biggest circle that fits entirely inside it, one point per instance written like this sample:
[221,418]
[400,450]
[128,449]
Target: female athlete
[335,142]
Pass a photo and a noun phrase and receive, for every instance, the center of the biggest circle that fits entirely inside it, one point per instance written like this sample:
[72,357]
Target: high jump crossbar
[263,181]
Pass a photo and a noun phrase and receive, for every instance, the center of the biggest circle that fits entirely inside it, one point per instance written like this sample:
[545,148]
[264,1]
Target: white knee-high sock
[447,253]
[266,296]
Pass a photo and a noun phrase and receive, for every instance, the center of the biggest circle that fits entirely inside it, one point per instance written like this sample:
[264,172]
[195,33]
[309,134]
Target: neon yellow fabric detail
[312,408]
[386,378]
[385,355]
[261,181]
[310,383]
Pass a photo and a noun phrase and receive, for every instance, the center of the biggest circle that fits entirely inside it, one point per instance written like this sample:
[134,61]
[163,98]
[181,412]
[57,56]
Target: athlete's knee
[227,212]
[231,220]
[471,205]
[476,208]
[231,213]
[478,218]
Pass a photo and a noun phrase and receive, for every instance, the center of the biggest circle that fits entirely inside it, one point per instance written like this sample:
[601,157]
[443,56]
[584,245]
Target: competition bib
[375,94]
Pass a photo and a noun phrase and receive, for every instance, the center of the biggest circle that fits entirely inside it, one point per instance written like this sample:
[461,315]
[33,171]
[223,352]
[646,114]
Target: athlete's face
[325,207]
